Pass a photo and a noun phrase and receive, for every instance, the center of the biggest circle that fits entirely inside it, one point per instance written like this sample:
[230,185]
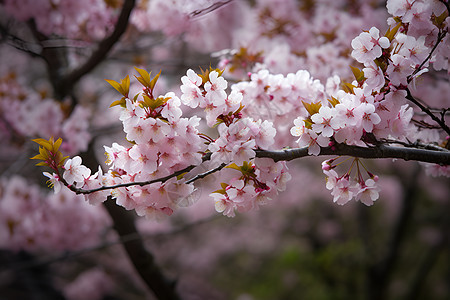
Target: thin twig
[212,7]
[441,123]
[203,175]
[440,37]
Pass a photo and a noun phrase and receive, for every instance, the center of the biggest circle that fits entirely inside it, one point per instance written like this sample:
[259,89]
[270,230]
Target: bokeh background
[299,246]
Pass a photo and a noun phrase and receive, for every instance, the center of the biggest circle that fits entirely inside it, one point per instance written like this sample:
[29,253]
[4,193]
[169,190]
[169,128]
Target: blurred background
[54,57]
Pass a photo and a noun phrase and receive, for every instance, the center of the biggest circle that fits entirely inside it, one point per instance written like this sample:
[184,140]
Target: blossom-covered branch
[149,172]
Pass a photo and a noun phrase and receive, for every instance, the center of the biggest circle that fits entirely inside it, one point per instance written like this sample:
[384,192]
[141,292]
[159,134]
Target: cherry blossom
[322,121]
[368,45]
[313,141]
[53,181]
[368,192]
[343,191]
[75,172]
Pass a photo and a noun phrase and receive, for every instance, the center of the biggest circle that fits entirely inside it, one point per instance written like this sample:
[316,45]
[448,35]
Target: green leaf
[144,79]
[56,145]
[122,102]
[115,85]
[233,166]
[312,108]
[333,101]
[390,33]
[38,156]
[359,75]
[44,143]
[348,87]
[154,80]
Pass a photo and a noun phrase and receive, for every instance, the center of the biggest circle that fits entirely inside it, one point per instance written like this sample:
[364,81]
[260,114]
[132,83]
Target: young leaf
[144,79]
[312,108]
[154,80]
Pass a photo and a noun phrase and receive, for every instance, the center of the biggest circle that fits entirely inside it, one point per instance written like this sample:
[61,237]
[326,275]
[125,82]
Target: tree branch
[440,37]
[379,151]
[427,111]
[16,42]
[67,82]
[143,261]
[212,7]
[380,272]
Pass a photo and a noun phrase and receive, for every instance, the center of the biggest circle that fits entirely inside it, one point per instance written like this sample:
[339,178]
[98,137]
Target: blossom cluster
[255,114]
[238,137]
[345,187]
[373,107]
[164,143]
[256,183]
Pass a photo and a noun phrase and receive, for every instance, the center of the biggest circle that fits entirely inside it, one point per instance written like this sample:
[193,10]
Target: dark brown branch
[425,267]
[440,37]
[379,151]
[143,261]
[212,7]
[17,42]
[67,82]
[441,123]
[380,273]
[203,175]
[140,183]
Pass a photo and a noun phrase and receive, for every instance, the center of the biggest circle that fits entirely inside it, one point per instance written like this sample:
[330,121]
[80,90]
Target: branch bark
[103,47]
[378,151]
[63,83]
[380,272]
[441,123]
[142,259]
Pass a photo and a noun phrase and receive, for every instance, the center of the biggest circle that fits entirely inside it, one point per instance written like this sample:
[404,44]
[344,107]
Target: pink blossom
[369,117]
[399,70]
[171,109]
[53,181]
[313,142]
[322,121]
[223,204]
[368,192]
[266,134]
[299,127]
[144,158]
[191,93]
[346,113]
[343,191]
[75,172]
[136,129]
[399,8]
[413,49]
[215,88]
[367,46]
[95,181]
[374,76]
